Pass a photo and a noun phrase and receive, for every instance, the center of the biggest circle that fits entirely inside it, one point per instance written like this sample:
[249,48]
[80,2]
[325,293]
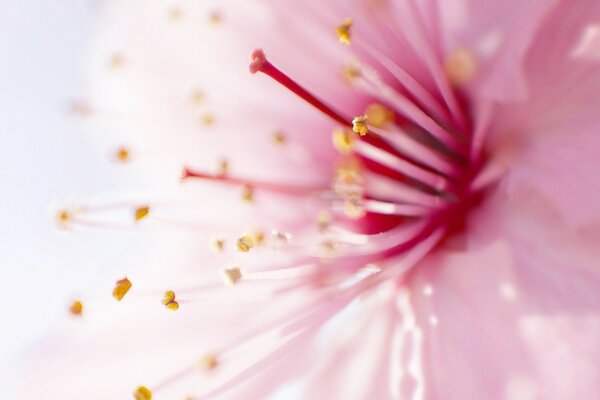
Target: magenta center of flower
[401,162]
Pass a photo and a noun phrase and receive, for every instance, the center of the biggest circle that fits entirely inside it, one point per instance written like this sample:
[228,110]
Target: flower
[427,172]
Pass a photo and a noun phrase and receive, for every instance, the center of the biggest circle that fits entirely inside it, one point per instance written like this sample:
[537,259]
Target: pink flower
[445,246]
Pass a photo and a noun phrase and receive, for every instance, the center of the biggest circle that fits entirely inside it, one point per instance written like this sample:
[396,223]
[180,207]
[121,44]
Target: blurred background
[42,46]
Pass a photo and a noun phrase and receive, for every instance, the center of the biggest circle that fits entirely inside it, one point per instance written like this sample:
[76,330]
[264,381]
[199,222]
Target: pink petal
[513,314]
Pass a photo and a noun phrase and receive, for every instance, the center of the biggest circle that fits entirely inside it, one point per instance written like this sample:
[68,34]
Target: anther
[359,125]
[169,300]
[247,193]
[64,218]
[141,213]
[217,245]
[231,275]
[121,288]
[142,393]
[76,308]
[343,31]
[122,154]
[209,362]
[245,243]
[342,140]
[379,115]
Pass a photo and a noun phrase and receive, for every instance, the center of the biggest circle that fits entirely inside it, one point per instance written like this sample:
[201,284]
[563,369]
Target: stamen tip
[257,60]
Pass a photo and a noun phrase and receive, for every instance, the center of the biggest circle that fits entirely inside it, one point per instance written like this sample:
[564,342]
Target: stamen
[122,154]
[64,218]
[209,362]
[217,244]
[343,31]
[379,115]
[142,393]
[359,125]
[231,275]
[279,138]
[247,193]
[76,308]
[169,301]
[141,213]
[250,184]
[259,63]
[245,243]
[460,66]
[121,288]
[342,140]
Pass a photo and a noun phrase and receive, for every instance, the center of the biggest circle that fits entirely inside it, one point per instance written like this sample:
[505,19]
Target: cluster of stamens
[414,175]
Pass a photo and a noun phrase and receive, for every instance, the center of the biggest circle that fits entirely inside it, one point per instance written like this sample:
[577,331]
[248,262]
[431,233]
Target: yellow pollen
[117,61]
[342,140]
[141,213]
[217,245]
[121,288]
[142,393]
[63,218]
[343,31]
[279,138]
[209,362]
[169,300]
[245,243]
[231,275]
[247,193]
[197,96]
[379,115]
[208,119]
[122,154]
[359,125]
[460,66]
[76,308]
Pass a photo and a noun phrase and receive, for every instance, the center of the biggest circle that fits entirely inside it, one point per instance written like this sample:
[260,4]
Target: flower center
[400,163]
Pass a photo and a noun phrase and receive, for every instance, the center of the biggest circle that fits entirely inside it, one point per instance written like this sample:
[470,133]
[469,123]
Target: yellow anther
[231,275]
[141,213]
[343,31]
[64,218]
[217,245]
[245,243]
[215,18]
[116,61]
[350,73]
[342,140]
[258,237]
[175,13]
[359,125]
[142,393]
[121,288]
[197,96]
[323,220]
[379,115]
[122,154]
[208,119]
[223,167]
[247,193]
[460,66]
[209,362]
[76,308]
[169,300]
[354,209]
[279,138]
